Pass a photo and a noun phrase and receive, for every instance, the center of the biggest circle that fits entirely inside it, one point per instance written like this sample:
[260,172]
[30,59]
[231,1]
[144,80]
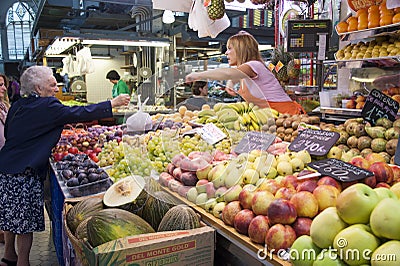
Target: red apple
[245,198]
[383,184]
[382,171]
[370,181]
[230,211]
[396,173]
[280,237]
[285,193]
[305,203]
[97,150]
[290,181]
[93,157]
[308,185]
[327,180]
[307,172]
[242,221]
[258,229]
[326,196]
[270,185]
[302,226]
[374,157]
[360,161]
[58,156]
[348,184]
[261,201]
[281,211]
[73,150]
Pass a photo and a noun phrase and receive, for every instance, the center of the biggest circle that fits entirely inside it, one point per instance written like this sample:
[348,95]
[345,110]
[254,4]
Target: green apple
[355,203]
[384,193]
[250,176]
[346,156]
[387,254]
[203,172]
[328,258]
[396,189]
[234,177]
[233,193]
[271,160]
[335,152]
[192,194]
[201,200]
[218,208]
[216,171]
[303,251]
[272,172]
[285,157]
[284,168]
[219,181]
[325,226]
[304,156]
[297,164]
[385,219]
[355,244]
[209,205]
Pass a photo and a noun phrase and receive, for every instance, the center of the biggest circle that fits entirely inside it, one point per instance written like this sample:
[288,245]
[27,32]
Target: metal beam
[140,22]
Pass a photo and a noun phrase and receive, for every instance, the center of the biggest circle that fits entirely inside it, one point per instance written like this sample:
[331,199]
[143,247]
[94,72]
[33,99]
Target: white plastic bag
[140,121]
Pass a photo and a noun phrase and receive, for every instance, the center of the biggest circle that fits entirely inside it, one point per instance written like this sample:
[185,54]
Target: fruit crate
[90,188]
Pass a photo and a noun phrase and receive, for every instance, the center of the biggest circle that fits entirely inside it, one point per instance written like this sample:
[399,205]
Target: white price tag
[211,133]
[321,46]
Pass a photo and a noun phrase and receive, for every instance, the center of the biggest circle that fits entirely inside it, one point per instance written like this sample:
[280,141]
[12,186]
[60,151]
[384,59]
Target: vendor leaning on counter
[242,51]
[120,86]
[199,97]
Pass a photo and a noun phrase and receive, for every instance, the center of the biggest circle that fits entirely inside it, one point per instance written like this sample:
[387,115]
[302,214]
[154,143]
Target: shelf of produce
[333,114]
[373,31]
[231,234]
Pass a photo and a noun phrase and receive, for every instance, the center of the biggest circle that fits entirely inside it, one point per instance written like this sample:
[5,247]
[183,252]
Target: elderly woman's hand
[120,100]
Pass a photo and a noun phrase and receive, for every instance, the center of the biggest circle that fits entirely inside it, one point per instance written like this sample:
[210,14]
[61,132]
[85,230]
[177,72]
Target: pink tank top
[268,86]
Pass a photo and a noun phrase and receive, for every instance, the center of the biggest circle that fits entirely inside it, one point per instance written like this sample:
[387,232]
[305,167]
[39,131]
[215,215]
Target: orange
[396,18]
[373,22]
[342,26]
[385,20]
[352,20]
[361,11]
[373,9]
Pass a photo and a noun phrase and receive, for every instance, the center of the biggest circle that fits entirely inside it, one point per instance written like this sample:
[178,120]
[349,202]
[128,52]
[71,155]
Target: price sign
[379,105]
[254,140]
[211,133]
[316,142]
[340,170]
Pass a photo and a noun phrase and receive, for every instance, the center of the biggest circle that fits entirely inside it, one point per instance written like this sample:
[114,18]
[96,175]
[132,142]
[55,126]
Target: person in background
[32,128]
[120,86]
[242,52]
[199,97]
[4,105]
[13,89]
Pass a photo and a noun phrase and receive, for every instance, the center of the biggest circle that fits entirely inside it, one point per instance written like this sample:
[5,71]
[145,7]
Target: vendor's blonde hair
[5,99]
[245,46]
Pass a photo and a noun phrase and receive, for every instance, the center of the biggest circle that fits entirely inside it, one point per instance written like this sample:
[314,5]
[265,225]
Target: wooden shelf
[127,67]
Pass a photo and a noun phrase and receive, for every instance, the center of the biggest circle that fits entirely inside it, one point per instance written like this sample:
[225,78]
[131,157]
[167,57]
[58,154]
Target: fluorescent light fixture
[168,17]
[127,43]
[60,45]
[102,56]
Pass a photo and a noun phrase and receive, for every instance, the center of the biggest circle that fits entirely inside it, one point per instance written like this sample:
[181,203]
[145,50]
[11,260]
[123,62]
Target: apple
[250,176]
[258,229]
[234,177]
[374,157]
[73,150]
[281,211]
[385,219]
[233,193]
[355,203]
[384,192]
[303,252]
[216,171]
[307,185]
[210,204]
[396,189]
[220,193]
[327,180]
[245,198]
[335,152]
[307,172]
[270,185]
[370,181]
[230,211]
[297,164]
[390,249]
[280,237]
[201,185]
[357,238]
[219,181]
[268,172]
[325,226]
[305,203]
[360,161]
[192,194]
[382,184]
[328,258]
[326,196]
[242,221]
[290,181]
[396,173]
[382,171]
[304,156]
[260,202]
[210,190]
[201,200]
[285,193]
[348,184]
[218,208]
[302,226]
[203,172]
[284,168]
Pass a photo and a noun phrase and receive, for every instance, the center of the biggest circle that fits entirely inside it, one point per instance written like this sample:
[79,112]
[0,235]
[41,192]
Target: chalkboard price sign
[316,142]
[340,170]
[379,105]
[254,140]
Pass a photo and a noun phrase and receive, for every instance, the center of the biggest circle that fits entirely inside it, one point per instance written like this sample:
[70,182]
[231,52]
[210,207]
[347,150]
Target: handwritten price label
[211,133]
[254,140]
[340,170]
[379,105]
[316,142]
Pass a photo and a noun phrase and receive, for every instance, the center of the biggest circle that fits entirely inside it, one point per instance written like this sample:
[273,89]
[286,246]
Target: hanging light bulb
[168,17]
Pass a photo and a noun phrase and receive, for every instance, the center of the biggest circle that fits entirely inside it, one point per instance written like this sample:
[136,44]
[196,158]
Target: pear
[384,122]
[392,133]
[359,130]
[304,156]
[352,142]
[343,137]
[365,152]
[391,146]
[350,128]
[378,145]
[364,142]
[375,132]
[396,123]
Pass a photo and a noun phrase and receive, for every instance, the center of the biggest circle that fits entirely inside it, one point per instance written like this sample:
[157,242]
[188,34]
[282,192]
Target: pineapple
[281,59]
[293,68]
[216,10]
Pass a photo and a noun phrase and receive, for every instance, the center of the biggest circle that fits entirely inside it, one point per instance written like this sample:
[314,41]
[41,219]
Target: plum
[73,182]
[67,174]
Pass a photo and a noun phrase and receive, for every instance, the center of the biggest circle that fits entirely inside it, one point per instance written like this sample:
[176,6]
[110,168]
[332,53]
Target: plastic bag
[140,121]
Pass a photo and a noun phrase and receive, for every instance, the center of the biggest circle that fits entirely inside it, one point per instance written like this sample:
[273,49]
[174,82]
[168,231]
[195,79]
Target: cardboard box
[184,247]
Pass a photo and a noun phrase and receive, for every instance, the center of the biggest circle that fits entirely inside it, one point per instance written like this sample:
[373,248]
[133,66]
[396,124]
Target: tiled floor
[42,252]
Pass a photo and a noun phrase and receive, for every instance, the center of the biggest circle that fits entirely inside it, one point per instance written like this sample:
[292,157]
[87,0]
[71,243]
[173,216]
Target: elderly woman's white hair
[34,76]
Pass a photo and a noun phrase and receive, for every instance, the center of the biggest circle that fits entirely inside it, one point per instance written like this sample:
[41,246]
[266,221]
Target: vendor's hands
[230,91]
[192,77]
[120,100]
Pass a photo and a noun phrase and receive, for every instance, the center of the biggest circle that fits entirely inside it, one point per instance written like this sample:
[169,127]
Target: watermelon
[83,210]
[111,224]
[180,217]
[156,207]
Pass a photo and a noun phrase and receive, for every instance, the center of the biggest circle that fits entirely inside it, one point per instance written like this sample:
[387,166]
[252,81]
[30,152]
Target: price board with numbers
[340,170]
[316,142]
[379,105]
[211,133]
[254,140]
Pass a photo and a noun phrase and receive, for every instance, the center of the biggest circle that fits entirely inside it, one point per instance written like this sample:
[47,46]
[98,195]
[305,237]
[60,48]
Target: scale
[78,88]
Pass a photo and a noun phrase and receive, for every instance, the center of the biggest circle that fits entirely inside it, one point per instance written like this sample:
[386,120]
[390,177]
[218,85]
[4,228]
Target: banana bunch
[206,116]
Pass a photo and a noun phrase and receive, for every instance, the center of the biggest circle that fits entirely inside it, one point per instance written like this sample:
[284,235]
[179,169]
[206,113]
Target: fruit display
[83,210]
[179,217]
